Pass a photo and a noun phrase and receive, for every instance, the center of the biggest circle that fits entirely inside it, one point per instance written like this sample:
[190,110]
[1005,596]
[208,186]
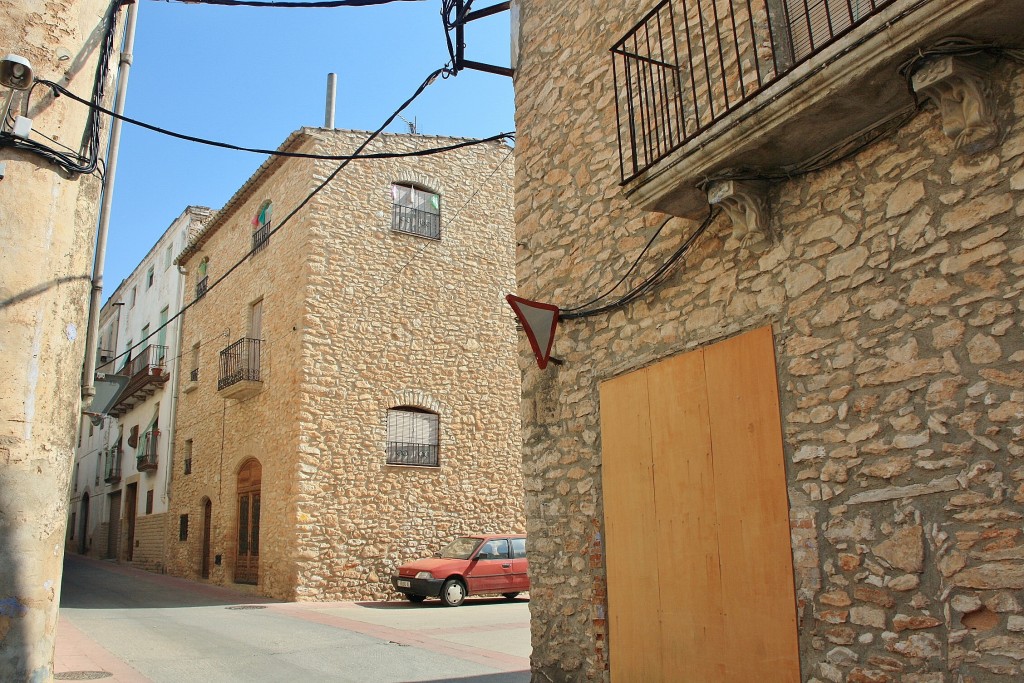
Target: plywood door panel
[693,639]
[630,530]
[756,557]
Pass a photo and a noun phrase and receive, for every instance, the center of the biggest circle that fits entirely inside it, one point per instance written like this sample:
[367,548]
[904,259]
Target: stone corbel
[962,92]
[746,203]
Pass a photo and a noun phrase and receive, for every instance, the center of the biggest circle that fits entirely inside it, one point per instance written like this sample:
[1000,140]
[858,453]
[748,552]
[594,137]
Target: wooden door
[130,508]
[699,562]
[204,568]
[114,526]
[247,549]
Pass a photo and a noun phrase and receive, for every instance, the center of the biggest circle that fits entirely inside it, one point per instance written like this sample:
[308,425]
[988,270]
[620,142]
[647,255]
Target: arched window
[261,226]
[412,437]
[416,210]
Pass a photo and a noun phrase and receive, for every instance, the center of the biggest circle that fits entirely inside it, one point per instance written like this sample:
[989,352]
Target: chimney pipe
[332,93]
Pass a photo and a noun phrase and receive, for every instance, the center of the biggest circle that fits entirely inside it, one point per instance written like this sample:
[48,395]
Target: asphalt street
[126,625]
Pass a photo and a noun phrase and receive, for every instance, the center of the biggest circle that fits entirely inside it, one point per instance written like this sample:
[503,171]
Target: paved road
[138,627]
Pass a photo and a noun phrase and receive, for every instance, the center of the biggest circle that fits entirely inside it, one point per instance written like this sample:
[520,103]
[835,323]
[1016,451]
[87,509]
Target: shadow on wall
[14,649]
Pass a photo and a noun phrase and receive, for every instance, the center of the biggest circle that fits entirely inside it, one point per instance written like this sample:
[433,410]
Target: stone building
[349,381]
[121,479]
[783,439]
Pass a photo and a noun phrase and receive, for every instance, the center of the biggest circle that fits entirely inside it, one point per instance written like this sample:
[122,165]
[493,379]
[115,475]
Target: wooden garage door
[699,565]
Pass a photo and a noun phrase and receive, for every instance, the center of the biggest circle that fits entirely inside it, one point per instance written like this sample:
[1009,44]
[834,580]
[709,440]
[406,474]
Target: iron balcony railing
[193,375]
[416,221]
[260,237]
[412,454]
[146,457]
[112,465]
[239,362]
[149,361]
[202,286]
[690,63]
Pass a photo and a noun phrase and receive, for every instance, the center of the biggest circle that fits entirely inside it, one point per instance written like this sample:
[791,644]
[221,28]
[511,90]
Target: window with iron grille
[149,502]
[188,456]
[416,211]
[261,227]
[412,437]
[183,528]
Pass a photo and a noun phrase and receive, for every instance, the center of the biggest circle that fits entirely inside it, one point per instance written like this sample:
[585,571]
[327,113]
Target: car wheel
[453,593]
[414,598]
[510,596]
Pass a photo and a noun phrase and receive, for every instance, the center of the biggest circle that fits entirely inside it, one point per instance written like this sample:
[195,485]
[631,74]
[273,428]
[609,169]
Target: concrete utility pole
[47,225]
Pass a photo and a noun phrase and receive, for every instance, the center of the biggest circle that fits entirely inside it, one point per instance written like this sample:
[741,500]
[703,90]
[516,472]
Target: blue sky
[250,76]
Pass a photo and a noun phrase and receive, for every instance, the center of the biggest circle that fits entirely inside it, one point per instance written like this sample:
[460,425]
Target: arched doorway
[247,549]
[83,529]
[204,568]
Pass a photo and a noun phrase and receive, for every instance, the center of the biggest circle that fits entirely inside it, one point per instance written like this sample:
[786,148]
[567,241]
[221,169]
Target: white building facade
[120,484]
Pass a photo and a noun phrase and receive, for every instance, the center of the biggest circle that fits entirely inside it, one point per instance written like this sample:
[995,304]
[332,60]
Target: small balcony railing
[239,362]
[202,285]
[146,457]
[260,237]
[689,63]
[193,375]
[149,361]
[416,221]
[112,465]
[412,454]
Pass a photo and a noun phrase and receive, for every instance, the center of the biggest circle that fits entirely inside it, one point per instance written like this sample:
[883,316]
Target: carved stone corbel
[962,92]
[746,203]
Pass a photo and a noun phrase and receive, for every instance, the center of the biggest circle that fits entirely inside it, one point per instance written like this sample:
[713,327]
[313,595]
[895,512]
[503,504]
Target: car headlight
[424,575]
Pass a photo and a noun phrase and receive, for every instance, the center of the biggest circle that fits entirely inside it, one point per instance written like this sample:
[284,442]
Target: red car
[469,565]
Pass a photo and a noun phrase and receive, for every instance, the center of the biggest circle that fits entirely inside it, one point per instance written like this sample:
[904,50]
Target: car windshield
[461,548]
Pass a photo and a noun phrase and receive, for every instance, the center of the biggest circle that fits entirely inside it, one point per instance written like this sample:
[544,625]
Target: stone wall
[894,291]
[357,319]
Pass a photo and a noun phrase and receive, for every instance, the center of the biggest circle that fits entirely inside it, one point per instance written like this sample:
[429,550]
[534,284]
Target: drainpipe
[95,301]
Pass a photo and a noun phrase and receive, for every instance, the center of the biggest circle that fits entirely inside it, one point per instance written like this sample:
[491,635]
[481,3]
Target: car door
[490,571]
[520,566]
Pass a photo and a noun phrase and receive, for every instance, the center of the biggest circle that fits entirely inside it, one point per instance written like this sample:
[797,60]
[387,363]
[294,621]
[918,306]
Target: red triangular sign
[539,321]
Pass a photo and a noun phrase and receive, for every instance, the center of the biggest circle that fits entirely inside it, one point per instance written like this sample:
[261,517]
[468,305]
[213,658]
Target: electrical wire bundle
[86,160]
[652,280]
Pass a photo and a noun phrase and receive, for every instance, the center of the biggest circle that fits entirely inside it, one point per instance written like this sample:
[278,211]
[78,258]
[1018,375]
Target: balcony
[202,286]
[239,376]
[760,88]
[112,465]
[416,221]
[146,458]
[146,373]
[260,237]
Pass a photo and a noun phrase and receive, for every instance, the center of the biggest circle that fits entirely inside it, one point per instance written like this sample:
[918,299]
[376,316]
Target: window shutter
[133,437]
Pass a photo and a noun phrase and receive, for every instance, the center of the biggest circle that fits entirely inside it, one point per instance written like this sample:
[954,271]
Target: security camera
[15,72]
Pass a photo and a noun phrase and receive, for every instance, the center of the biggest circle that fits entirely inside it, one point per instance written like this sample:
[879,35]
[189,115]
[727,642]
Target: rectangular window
[518,548]
[161,335]
[149,277]
[169,256]
[183,528]
[412,437]
[187,459]
[134,296]
[149,502]
[416,211]
[76,477]
[256,319]
[193,374]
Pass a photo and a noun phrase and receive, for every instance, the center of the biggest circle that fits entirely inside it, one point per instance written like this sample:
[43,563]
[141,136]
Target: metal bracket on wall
[461,9]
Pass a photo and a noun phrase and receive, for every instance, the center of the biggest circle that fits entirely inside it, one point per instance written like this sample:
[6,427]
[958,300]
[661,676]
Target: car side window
[519,547]
[494,550]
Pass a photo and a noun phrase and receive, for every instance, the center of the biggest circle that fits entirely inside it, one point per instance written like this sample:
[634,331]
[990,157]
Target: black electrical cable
[652,279]
[636,262]
[423,86]
[61,90]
